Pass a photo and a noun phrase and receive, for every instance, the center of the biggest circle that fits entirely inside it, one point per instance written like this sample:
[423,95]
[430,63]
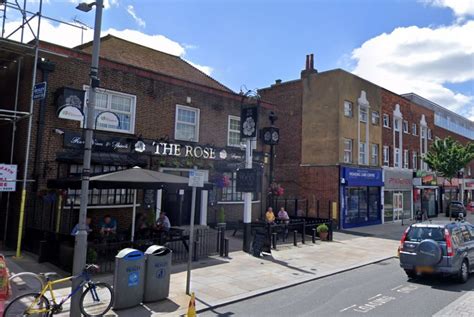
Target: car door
[470,231]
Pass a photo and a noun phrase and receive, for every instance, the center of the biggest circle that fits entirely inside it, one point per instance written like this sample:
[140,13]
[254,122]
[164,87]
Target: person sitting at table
[163,223]
[283,215]
[141,226]
[270,216]
[108,226]
[88,227]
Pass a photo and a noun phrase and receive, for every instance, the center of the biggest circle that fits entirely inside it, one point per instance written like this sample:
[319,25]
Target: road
[380,289]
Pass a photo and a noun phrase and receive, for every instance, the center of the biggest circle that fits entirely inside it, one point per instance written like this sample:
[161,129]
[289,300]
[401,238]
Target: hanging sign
[8,172]
[70,113]
[39,91]
[247,180]
[108,119]
[248,122]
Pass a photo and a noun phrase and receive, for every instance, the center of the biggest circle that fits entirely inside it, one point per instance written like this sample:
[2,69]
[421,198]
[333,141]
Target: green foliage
[322,228]
[221,215]
[447,157]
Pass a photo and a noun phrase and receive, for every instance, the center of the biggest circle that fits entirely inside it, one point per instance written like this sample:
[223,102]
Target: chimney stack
[309,68]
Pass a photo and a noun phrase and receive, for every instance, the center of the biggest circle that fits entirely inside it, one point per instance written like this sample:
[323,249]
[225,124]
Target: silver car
[445,248]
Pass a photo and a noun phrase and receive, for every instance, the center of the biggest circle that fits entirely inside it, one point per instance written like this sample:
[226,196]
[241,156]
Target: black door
[178,207]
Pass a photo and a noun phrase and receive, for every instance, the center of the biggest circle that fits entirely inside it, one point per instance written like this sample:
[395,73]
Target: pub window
[386,120]
[347,151]
[386,156]
[98,197]
[121,104]
[186,124]
[233,132]
[229,193]
[348,109]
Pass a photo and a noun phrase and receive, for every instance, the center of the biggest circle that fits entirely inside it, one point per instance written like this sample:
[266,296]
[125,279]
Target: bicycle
[96,300]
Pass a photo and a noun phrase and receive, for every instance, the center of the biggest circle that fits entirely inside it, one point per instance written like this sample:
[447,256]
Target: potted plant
[322,230]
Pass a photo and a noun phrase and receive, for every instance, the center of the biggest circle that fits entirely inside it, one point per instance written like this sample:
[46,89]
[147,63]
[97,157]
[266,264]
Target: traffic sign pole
[192,180]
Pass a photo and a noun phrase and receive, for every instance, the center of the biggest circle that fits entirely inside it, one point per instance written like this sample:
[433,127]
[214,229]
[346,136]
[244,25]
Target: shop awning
[133,178]
[103,158]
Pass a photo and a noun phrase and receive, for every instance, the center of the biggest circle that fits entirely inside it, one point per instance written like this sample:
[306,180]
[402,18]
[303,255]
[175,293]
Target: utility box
[129,278]
[158,271]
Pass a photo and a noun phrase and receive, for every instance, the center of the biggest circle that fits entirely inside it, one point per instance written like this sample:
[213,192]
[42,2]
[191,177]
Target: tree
[447,157]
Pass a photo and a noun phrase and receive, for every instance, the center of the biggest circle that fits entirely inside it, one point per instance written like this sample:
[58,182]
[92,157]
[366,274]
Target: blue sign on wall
[39,92]
[362,176]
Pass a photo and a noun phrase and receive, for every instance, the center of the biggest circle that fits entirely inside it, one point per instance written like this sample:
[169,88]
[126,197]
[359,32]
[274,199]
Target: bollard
[313,237]
[295,243]
[222,242]
[195,252]
[274,240]
[218,239]
[226,247]
[303,233]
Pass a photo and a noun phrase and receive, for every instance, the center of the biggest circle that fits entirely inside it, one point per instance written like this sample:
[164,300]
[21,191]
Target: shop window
[386,156]
[405,159]
[98,197]
[414,129]
[405,126]
[363,114]
[362,152]
[348,109]
[363,205]
[347,151]
[229,193]
[386,120]
[121,104]
[375,118]
[375,155]
[233,131]
[187,124]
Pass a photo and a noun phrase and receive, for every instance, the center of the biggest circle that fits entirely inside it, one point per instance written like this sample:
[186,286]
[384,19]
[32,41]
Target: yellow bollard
[192,306]
[20,224]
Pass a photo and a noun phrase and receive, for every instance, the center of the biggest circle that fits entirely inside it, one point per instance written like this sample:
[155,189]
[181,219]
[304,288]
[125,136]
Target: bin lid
[130,254]
[157,250]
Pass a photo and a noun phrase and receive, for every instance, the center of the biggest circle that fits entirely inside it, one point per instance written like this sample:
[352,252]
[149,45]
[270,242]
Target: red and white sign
[8,177]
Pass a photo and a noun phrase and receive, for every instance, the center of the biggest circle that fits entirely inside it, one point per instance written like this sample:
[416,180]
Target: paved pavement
[380,289]
[218,281]
[462,307]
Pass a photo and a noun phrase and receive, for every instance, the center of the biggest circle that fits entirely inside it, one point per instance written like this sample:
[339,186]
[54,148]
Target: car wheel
[411,273]
[463,274]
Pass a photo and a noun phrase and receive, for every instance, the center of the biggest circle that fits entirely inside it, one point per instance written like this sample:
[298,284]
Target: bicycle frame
[50,287]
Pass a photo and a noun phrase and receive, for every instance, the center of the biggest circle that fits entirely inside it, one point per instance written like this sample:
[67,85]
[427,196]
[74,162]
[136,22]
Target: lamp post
[80,249]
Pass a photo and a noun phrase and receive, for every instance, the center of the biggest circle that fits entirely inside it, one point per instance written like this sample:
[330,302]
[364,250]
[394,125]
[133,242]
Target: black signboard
[248,122]
[261,243]
[102,143]
[66,96]
[247,180]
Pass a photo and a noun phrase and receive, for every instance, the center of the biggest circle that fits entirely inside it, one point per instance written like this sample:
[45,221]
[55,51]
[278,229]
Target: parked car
[445,248]
[456,208]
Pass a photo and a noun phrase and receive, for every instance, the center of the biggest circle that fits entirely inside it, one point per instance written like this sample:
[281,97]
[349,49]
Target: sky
[421,46]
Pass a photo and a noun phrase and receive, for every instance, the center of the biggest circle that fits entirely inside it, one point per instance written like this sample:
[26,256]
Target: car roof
[438,224]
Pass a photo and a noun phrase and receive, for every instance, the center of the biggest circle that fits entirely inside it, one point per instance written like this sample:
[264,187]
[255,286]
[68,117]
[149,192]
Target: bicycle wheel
[26,282]
[32,301]
[97,299]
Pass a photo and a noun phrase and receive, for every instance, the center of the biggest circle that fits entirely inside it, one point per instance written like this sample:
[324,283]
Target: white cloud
[460,7]
[131,11]
[68,36]
[423,61]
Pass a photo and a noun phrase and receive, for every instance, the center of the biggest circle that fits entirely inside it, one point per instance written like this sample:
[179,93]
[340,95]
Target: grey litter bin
[158,269]
[129,278]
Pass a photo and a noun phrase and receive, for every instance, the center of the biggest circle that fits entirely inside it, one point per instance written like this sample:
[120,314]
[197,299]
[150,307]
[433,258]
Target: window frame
[364,146]
[361,111]
[386,123]
[196,125]
[386,155]
[347,151]
[351,114]
[398,157]
[414,160]
[406,157]
[405,125]
[429,134]
[414,129]
[233,193]
[375,114]
[374,155]
[109,93]
[396,125]
[229,131]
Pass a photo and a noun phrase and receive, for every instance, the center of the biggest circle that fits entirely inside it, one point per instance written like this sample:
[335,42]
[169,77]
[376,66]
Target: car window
[465,233]
[471,231]
[417,234]
[457,237]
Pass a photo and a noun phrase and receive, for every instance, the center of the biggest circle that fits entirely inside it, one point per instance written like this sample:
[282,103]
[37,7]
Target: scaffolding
[12,55]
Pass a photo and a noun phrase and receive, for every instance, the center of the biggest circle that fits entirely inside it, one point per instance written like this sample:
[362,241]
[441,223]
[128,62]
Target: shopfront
[449,191]
[398,191]
[425,194]
[360,192]
[468,190]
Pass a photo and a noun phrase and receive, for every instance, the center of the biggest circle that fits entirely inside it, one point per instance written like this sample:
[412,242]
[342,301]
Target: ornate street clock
[271,136]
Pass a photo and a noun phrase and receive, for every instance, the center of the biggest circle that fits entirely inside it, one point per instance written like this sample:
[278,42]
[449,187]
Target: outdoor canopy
[133,178]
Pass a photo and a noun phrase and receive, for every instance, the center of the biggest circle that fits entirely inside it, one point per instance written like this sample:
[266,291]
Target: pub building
[154,110]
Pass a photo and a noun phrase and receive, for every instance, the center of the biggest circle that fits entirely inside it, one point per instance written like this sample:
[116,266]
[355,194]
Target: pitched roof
[123,51]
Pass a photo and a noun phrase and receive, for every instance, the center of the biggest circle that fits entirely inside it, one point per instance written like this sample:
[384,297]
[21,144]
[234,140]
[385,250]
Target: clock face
[275,136]
[267,136]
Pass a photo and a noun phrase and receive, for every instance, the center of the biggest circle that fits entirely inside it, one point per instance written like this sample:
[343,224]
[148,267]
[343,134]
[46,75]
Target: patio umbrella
[133,178]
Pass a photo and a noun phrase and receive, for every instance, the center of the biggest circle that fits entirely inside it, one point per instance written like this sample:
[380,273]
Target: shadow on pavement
[446,283]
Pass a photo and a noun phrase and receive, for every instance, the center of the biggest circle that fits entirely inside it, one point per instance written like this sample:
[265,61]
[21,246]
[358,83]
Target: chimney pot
[307,62]
[311,62]
[278,81]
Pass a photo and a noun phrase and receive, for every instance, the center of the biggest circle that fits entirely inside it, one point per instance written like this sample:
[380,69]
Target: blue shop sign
[362,176]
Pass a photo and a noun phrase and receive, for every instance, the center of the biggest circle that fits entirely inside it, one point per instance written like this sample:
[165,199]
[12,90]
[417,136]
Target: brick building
[181,117]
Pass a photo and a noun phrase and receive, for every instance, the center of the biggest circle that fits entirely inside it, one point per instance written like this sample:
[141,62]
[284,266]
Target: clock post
[271,136]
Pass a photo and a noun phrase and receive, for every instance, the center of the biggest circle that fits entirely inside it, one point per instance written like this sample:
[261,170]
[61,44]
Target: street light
[80,250]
